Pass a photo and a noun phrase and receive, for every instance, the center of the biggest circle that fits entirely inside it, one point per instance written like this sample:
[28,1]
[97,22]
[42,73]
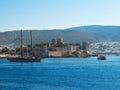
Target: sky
[57,14]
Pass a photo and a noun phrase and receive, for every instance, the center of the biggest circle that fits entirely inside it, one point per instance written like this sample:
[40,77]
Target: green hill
[91,33]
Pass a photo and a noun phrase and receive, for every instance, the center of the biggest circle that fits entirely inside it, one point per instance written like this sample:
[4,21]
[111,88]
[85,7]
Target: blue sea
[61,74]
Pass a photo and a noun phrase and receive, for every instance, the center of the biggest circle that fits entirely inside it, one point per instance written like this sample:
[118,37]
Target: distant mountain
[91,33]
[104,33]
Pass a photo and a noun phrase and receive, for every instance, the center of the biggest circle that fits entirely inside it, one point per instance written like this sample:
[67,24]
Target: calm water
[61,74]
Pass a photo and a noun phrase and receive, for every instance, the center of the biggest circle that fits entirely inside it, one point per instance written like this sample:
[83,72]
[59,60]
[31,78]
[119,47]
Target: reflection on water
[61,74]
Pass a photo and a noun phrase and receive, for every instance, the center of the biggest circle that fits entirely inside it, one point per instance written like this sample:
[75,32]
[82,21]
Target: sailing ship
[22,58]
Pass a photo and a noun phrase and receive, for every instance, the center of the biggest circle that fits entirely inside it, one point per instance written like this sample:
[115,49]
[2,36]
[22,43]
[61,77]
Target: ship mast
[14,44]
[21,45]
[31,42]
[27,43]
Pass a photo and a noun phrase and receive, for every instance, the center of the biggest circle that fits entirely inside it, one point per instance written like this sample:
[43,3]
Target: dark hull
[101,58]
[21,59]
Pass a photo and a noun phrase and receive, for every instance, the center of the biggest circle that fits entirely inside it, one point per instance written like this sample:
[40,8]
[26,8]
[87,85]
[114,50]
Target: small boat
[101,57]
[23,58]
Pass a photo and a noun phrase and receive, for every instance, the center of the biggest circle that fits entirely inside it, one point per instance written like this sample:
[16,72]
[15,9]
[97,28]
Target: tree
[42,44]
[5,50]
[53,48]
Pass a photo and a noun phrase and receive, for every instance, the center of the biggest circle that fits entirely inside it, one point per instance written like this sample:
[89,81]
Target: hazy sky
[57,14]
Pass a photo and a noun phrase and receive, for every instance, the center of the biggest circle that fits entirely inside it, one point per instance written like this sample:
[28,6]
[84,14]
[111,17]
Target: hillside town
[105,48]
